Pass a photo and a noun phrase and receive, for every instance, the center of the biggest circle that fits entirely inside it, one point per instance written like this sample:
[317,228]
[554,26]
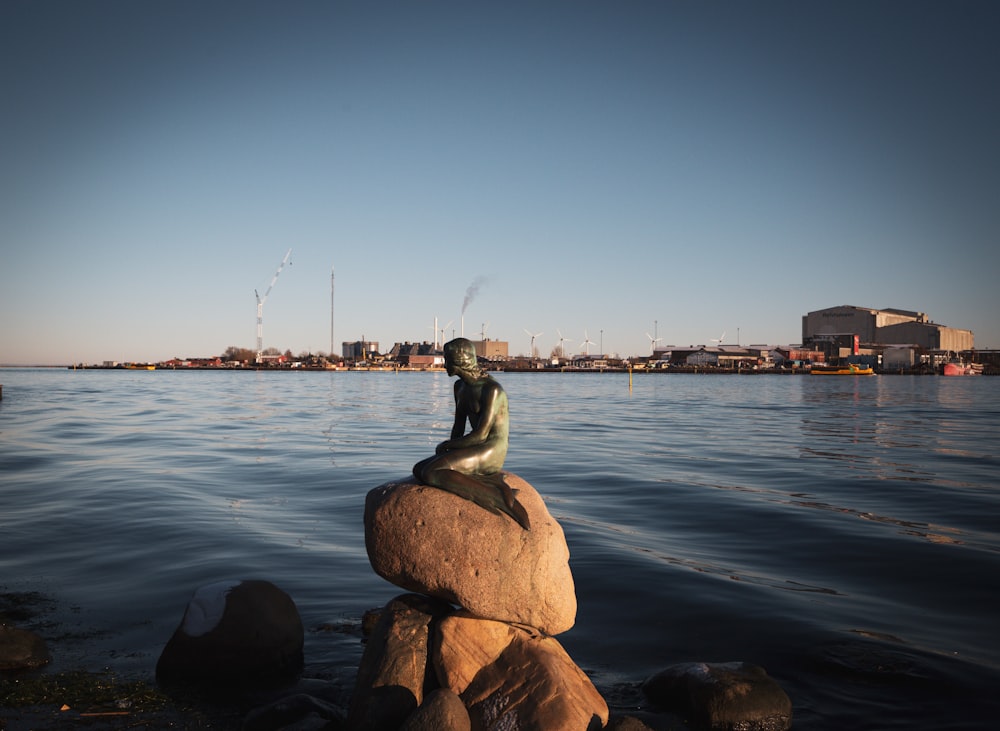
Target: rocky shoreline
[471,644]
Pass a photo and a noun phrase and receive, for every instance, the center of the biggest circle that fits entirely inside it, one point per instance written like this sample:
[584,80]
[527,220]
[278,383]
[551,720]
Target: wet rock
[509,677]
[873,662]
[296,711]
[433,542]
[393,670]
[733,696]
[628,723]
[235,633]
[21,649]
[442,710]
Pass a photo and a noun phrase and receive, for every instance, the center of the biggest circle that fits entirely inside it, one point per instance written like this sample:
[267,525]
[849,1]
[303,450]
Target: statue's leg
[418,468]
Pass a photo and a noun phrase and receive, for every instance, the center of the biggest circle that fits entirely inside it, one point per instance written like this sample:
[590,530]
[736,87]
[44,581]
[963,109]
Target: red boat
[961,369]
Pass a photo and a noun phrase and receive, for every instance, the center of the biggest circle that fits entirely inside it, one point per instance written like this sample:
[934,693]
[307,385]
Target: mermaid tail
[510,504]
[489,492]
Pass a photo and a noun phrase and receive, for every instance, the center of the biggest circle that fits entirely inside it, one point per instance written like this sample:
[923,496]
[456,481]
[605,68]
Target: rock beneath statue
[509,677]
[506,676]
[21,649]
[434,542]
[235,633]
[733,696]
[392,674]
[442,710]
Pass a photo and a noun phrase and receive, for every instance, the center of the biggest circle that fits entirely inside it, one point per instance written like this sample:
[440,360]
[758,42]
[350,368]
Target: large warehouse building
[885,327]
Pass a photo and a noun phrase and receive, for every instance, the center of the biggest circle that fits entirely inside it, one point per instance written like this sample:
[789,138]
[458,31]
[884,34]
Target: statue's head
[460,354]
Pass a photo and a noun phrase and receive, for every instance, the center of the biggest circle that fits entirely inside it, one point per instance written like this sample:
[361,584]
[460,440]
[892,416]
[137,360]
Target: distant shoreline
[697,370]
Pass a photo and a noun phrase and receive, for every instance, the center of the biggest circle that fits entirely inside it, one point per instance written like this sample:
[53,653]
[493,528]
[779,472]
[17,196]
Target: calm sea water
[844,533]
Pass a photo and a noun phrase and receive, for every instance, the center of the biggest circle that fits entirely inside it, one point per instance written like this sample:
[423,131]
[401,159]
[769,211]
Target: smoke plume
[472,291]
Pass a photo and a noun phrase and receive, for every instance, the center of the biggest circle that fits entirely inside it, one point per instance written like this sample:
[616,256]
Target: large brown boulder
[512,678]
[433,542]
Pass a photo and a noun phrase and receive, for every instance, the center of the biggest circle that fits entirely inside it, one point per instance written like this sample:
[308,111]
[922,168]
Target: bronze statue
[469,465]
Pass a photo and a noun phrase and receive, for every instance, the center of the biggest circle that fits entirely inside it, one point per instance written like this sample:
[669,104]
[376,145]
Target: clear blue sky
[688,167]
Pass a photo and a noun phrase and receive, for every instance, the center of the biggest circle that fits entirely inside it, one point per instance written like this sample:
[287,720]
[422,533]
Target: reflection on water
[879,431]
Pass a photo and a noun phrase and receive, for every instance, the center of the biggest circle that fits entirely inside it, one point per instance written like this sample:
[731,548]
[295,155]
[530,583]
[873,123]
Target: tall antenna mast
[332,351]
[260,308]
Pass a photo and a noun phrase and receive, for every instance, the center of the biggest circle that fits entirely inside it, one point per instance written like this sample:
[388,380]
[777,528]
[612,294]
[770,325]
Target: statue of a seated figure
[469,465]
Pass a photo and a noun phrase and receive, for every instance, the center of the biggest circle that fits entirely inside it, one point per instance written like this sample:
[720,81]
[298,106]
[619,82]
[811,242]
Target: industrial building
[359,349]
[849,326]
[416,355]
[491,349]
[719,356]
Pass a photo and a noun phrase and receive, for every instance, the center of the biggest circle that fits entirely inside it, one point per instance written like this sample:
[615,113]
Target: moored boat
[849,370]
[956,368]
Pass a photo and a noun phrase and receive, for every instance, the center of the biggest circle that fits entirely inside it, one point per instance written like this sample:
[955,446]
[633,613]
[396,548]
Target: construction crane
[260,308]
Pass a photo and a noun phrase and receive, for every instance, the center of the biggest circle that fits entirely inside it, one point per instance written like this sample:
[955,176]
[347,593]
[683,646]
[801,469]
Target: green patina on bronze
[469,465]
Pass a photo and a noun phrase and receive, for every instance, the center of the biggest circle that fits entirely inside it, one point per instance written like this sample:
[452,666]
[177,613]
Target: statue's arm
[461,414]
[458,427]
[488,408]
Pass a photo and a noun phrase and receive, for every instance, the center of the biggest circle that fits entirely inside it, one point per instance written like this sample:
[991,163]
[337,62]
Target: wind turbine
[443,329]
[587,342]
[260,307]
[482,333]
[720,338]
[652,343]
[562,350]
[531,351]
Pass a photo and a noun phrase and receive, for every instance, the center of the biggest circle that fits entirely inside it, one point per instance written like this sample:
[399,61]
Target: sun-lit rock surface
[433,542]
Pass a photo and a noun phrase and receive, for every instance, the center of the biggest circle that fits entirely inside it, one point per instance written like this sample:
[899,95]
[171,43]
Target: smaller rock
[391,676]
[294,710]
[734,696]
[442,710]
[511,678]
[627,723]
[233,633]
[21,649]
[467,644]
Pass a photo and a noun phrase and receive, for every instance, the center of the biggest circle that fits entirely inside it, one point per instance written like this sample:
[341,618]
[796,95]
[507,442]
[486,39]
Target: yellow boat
[850,370]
